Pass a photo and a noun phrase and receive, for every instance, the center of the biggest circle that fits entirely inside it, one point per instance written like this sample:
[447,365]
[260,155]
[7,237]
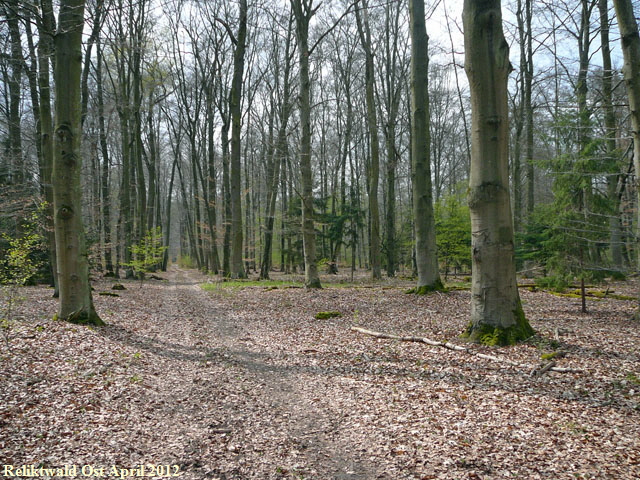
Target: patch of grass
[325,315]
[458,286]
[633,378]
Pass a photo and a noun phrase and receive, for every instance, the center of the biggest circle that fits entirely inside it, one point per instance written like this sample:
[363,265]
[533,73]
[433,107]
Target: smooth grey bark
[615,225]
[528,106]
[630,40]
[496,312]
[425,230]
[277,157]
[362,19]
[303,11]
[76,304]
[395,70]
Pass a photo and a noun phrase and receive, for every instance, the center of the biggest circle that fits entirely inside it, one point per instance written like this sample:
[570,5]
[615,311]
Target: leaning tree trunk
[496,311]
[76,304]
[426,252]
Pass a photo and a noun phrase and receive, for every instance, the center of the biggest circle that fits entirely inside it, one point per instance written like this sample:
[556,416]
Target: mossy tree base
[494,335]
[437,286]
[83,317]
[313,284]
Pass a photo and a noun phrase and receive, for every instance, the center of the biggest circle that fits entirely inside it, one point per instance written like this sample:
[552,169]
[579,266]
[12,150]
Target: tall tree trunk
[372,123]
[279,153]
[237,266]
[615,226]
[211,185]
[226,197]
[16,162]
[46,29]
[393,88]
[528,107]
[630,40]
[304,11]
[167,226]
[106,165]
[496,312]
[426,251]
[76,304]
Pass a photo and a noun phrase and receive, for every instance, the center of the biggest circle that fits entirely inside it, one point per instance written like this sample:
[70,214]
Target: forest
[339,239]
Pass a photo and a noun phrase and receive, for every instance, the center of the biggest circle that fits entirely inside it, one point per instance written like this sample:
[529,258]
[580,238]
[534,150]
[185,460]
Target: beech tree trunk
[615,224]
[237,266]
[425,230]
[303,11]
[496,312]
[277,157]
[46,29]
[16,162]
[630,40]
[372,124]
[76,304]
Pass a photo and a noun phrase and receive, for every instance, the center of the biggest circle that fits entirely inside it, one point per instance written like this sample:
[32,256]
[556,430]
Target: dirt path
[244,383]
[236,405]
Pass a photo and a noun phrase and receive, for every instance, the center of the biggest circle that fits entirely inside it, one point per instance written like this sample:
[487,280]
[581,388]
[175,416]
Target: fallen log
[458,348]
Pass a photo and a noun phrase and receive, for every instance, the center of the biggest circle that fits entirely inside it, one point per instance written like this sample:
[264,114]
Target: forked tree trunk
[76,304]
[426,252]
[496,311]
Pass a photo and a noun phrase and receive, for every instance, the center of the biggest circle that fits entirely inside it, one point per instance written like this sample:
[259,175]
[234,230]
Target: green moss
[622,297]
[108,294]
[84,317]
[325,315]
[492,335]
[548,356]
[437,286]
[314,284]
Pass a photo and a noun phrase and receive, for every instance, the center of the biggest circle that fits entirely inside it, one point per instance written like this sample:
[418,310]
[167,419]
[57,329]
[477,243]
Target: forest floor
[233,382]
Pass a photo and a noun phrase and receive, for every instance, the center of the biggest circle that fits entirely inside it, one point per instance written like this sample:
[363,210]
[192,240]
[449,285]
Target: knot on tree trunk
[65,212]
[486,192]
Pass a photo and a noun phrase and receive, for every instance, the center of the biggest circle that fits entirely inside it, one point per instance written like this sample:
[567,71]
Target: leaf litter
[246,383]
